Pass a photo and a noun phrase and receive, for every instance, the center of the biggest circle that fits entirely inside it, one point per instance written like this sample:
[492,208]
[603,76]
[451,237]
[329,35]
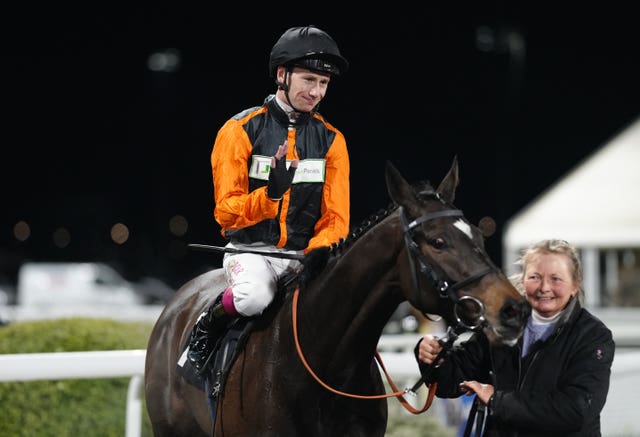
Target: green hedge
[97,407]
[70,407]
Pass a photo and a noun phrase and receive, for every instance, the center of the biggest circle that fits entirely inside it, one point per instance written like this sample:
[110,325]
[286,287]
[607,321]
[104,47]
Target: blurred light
[516,44]
[487,226]
[178,225]
[485,39]
[22,231]
[61,238]
[410,323]
[167,61]
[501,41]
[119,233]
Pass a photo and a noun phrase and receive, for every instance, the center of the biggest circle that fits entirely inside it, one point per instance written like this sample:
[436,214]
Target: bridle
[447,289]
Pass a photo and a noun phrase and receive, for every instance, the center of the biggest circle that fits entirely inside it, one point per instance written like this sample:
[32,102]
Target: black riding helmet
[307,47]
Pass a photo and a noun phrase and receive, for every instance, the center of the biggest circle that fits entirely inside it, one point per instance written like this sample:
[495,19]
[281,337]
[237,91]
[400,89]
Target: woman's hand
[484,391]
[428,349]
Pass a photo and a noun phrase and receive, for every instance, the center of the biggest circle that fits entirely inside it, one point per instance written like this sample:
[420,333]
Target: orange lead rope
[397,393]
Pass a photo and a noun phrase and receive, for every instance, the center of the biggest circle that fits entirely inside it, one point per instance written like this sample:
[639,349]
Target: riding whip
[207,248]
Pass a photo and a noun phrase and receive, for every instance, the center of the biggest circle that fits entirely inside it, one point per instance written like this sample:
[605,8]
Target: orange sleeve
[334,220]
[235,207]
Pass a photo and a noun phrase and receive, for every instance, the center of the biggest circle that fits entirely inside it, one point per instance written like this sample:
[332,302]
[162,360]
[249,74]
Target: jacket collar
[281,115]
[570,313]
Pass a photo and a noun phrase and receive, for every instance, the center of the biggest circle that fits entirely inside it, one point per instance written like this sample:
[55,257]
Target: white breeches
[253,277]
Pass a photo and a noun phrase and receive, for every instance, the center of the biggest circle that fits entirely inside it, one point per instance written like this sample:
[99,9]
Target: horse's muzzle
[513,317]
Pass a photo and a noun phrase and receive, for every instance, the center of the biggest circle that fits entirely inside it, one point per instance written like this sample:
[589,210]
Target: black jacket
[558,389]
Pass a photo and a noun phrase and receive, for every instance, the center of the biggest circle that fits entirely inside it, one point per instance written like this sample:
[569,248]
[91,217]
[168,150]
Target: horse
[324,332]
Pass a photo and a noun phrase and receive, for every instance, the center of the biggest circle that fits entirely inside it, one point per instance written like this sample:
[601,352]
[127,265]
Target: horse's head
[446,269]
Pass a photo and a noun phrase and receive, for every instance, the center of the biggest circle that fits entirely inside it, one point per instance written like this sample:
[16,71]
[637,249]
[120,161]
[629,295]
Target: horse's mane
[356,232]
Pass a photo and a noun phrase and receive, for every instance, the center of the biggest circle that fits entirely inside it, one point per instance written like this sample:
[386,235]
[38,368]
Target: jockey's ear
[313,263]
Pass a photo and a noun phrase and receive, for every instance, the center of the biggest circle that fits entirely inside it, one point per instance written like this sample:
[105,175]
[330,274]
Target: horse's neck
[352,301]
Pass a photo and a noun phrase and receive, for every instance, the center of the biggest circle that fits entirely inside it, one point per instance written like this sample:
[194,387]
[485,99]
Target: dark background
[92,137]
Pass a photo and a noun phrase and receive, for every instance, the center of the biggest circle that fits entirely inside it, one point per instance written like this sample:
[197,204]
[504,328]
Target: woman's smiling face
[549,283]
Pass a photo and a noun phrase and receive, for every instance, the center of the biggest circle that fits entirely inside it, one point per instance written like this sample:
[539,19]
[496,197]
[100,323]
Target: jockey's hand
[429,348]
[279,176]
[484,391]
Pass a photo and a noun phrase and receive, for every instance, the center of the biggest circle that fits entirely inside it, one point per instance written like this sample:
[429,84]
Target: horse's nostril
[509,310]
[514,313]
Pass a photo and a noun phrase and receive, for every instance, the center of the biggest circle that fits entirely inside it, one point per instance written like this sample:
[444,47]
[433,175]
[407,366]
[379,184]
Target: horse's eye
[438,243]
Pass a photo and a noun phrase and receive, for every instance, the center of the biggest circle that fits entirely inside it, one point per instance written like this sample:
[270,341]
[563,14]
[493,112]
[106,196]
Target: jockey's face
[306,88]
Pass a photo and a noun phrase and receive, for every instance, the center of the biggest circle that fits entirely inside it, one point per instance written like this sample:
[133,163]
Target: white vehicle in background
[43,284]
[48,290]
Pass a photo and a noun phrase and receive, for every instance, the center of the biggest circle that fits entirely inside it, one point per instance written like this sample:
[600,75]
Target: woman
[556,379]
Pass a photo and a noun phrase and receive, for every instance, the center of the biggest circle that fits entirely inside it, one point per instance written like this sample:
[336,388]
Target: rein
[399,394]
[445,291]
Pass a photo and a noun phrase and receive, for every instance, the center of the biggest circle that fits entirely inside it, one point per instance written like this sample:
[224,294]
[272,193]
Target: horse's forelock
[424,190]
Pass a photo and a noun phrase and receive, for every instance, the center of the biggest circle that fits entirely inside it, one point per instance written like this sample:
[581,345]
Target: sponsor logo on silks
[309,170]
[260,167]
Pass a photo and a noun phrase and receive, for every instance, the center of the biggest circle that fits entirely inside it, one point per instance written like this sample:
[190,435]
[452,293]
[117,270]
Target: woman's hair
[545,247]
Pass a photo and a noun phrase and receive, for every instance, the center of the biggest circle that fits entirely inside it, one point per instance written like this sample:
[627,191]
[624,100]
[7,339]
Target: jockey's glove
[280,178]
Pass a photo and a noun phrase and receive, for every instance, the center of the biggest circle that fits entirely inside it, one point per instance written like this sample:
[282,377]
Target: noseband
[447,289]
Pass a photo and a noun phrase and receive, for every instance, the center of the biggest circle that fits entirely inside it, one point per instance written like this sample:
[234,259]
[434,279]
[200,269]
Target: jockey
[281,182]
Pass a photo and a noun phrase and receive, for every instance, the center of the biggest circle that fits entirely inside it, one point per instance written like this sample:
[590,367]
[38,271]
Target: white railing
[400,365]
[130,363]
[83,365]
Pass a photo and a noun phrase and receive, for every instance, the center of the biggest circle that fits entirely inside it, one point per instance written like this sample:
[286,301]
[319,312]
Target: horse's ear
[447,188]
[399,189]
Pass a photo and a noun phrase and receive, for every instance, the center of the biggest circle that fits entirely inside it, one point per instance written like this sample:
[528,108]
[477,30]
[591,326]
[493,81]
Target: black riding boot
[208,328]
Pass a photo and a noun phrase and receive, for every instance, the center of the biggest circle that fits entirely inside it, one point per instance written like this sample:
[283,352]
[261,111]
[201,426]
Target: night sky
[92,136]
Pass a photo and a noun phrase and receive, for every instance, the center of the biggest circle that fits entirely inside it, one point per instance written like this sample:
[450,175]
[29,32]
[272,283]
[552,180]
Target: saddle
[234,338]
